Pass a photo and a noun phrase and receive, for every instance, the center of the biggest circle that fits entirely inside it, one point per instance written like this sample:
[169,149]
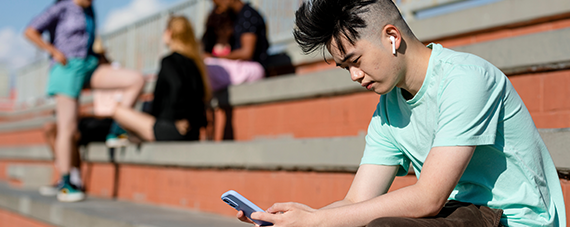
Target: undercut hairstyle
[318,22]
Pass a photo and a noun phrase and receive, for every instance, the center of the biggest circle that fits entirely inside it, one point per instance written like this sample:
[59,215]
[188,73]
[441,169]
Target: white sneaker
[69,193]
[49,190]
[114,142]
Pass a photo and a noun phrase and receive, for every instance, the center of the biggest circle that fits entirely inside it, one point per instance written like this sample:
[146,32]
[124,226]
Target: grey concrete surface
[291,87]
[319,154]
[49,106]
[322,154]
[33,123]
[94,212]
[497,14]
[558,143]
[525,53]
[31,152]
[29,175]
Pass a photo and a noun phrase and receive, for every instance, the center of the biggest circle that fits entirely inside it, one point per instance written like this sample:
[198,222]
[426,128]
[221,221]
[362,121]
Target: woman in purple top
[71,28]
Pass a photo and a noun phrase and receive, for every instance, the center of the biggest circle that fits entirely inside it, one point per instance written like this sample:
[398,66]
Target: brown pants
[454,213]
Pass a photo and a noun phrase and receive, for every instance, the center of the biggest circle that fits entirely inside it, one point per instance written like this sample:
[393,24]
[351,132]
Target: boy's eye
[356,60]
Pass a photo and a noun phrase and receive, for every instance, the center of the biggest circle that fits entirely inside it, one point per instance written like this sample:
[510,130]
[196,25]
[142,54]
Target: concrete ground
[94,212]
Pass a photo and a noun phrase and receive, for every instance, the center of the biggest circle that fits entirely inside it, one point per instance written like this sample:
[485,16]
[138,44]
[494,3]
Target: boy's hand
[241,216]
[288,215]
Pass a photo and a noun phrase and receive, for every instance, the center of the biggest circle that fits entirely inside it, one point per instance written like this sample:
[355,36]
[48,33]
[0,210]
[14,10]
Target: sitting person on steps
[181,92]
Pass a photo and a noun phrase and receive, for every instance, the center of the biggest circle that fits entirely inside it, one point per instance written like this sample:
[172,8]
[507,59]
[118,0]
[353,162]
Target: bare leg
[50,132]
[75,159]
[66,109]
[210,128]
[142,123]
[129,81]
[137,122]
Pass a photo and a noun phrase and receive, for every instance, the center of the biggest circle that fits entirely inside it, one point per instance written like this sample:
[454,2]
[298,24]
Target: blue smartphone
[239,202]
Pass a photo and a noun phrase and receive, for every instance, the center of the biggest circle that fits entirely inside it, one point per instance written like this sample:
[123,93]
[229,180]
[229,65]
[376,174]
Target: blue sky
[15,51]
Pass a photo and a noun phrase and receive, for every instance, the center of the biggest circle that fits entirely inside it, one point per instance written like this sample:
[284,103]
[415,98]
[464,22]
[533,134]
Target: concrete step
[94,212]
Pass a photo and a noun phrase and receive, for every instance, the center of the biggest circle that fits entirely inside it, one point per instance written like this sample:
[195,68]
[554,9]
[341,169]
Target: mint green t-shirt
[466,101]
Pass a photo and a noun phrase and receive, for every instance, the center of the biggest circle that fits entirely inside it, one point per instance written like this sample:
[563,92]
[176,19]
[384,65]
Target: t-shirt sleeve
[380,150]
[252,21]
[46,19]
[470,103]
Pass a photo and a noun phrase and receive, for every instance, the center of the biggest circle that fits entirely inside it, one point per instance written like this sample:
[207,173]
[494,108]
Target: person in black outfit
[182,90]
[250,32]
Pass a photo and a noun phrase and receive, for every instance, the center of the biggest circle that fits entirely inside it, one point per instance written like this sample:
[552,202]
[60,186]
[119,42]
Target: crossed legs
[128,81]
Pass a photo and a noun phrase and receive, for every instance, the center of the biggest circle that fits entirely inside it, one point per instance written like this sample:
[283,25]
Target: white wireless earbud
[393,44]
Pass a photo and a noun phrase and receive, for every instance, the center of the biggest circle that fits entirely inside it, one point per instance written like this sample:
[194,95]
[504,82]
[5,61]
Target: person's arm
[441,171]
[34,33]
[247,49]
[370,181]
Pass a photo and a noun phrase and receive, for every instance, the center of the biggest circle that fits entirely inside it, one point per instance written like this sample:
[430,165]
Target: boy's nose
[356,74]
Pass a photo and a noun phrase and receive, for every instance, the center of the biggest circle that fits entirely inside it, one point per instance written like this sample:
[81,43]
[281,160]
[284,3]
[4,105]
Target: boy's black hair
[318,21]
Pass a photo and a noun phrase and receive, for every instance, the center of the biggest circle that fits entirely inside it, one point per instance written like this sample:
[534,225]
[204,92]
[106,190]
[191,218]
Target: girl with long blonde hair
[181,93]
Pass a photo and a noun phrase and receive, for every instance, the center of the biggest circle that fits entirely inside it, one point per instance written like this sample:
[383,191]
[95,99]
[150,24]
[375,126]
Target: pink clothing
[221,50]
[225,72]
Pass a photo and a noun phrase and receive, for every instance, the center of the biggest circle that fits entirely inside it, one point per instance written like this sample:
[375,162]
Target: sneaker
[114,141]
[70,193]
[49,190]
[117,136]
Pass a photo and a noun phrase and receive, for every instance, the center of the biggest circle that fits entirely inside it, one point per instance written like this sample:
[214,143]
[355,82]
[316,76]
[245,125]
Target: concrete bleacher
[98,212]
[298,137]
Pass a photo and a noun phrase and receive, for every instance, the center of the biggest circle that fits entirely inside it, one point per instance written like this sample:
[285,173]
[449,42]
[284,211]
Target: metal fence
[138,45]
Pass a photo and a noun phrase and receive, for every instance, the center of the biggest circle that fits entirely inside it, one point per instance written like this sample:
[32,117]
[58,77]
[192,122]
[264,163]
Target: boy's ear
[392,36]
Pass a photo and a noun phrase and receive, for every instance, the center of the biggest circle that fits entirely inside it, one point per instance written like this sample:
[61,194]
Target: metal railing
[139,45]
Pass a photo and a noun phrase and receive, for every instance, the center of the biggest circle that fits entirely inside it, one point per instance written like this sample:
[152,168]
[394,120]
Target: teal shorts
[68,80]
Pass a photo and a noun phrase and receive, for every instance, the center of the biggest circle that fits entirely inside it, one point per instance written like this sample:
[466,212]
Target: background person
[245,63]
[249,33]
[237,25]
[181,93]
[453,116]
[219,35]
[71,27]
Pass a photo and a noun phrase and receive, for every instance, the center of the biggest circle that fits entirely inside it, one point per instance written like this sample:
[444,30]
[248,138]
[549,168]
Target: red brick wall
[546,96]
[346,115]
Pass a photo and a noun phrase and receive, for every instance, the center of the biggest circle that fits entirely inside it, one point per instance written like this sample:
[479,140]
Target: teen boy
[455,117]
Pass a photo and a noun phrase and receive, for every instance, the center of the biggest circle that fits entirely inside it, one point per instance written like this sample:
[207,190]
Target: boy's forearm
[339,203]
[406,202]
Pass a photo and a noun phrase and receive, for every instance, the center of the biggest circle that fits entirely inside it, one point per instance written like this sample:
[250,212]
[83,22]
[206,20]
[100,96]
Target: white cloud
[135,10]
[15,51]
